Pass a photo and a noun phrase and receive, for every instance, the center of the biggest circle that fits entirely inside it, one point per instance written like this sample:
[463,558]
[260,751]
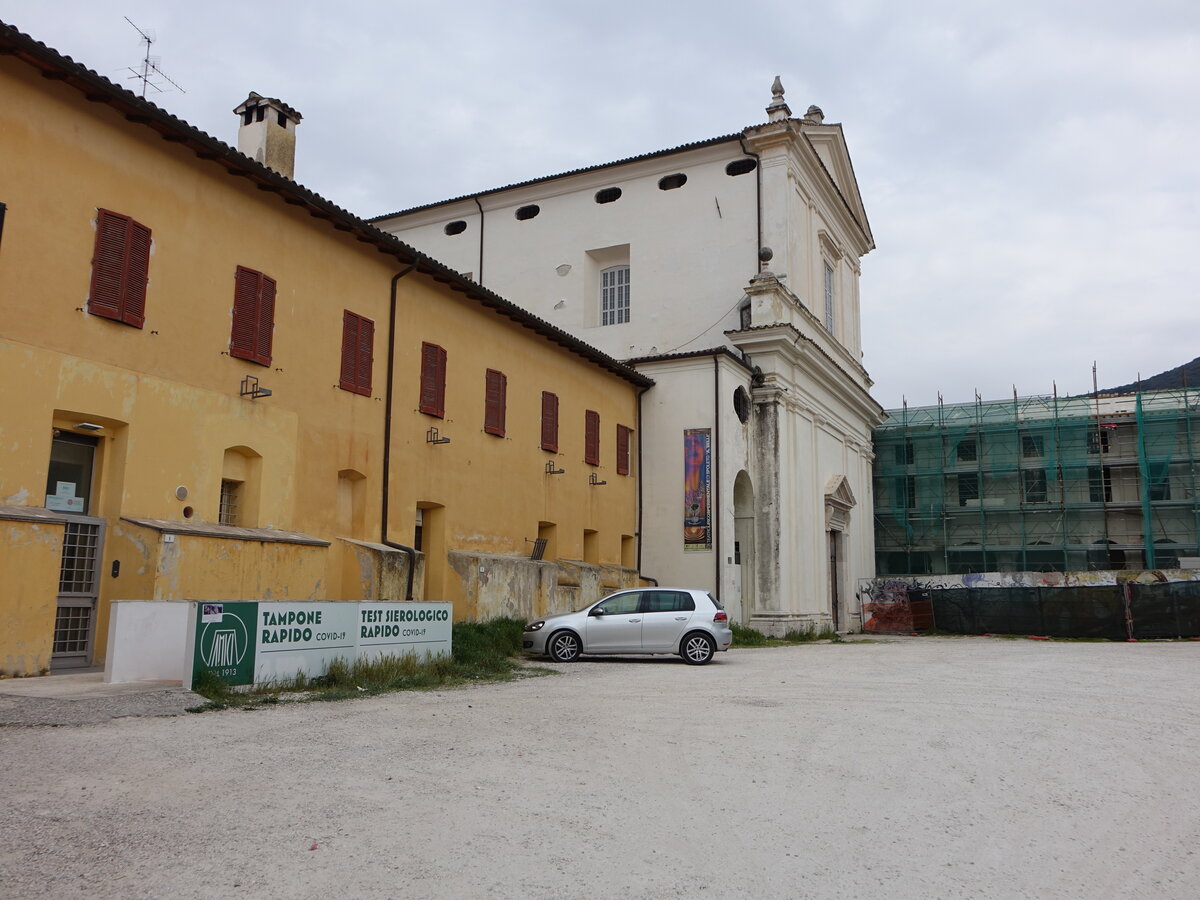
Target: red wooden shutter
[253,316]
[433,380]
[366,355]
[623,449]
[358,339]
[591,438]
[549,421]
[347,380]
[108,264]
[120,268]
[245,303]
[495,400]
[265,324]
[133,310]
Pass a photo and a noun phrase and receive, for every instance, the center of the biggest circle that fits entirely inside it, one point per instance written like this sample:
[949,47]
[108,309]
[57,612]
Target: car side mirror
[598,611]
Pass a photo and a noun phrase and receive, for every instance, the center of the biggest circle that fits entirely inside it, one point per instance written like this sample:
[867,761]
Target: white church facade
[727,271]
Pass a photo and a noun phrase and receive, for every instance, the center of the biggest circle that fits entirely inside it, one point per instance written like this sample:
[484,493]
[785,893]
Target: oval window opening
[528,212]
[457,227]
[670,182]
[608,195]
[741,166]
[741,404]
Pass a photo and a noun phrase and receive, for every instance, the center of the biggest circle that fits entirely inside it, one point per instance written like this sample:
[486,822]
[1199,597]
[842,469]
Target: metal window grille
[72,628]
[228,512]
[81,542]
[614,295]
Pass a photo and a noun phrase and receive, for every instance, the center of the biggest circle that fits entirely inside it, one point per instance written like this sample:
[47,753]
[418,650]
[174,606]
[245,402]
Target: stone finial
[778,110]
[814,115]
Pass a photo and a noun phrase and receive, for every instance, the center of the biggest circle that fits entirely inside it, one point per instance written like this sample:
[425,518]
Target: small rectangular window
[1097,441]
[1099,484]
[1160,481]
[358,341]
[3,209]
[968,450]
[1032,445]
[614,295]
[623,435]
[433,380]
[904,454]
[120,269]
[968,488]
[253,316]
[550,421]
[494,403]
[591,438]
[1033,482]
[227,514]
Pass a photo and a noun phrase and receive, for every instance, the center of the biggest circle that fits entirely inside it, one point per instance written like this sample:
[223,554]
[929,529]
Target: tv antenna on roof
[149,69]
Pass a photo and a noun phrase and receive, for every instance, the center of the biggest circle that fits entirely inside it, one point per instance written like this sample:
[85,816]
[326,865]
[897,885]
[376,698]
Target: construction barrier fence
[1138,606]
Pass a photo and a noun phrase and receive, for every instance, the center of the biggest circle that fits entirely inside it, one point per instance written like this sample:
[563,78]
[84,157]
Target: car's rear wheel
[563,647]
[697,649]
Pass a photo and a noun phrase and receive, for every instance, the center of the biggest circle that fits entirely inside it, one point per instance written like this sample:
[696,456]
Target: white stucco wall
[660,234]
[684,397]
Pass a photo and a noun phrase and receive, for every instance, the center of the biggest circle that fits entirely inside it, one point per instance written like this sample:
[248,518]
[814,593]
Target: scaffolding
[1039,484]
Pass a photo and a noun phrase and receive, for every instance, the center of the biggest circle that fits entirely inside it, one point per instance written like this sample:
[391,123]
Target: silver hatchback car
[645,620]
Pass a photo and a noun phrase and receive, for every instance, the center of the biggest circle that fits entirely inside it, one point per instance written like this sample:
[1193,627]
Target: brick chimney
[267,133]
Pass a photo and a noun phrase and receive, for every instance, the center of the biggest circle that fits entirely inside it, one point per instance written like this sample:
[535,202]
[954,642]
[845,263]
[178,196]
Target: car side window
[622,604]
[669,601]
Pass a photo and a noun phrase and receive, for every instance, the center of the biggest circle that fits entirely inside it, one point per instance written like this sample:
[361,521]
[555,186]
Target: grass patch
[744,636]
[748,637]
[480,651]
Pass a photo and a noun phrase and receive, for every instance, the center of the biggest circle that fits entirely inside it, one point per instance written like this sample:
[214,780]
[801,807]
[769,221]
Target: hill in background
[1186,375]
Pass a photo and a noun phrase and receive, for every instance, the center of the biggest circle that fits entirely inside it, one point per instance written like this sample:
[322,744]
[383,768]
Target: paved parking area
[918,767]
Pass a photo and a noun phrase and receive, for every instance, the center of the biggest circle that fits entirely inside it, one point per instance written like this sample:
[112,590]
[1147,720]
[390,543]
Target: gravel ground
[920,767]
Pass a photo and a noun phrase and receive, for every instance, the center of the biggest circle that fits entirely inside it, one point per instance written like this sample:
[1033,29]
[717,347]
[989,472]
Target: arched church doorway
[743,547]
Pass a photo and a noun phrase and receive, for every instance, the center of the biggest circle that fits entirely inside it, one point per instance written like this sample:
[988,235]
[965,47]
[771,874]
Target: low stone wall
[523,588]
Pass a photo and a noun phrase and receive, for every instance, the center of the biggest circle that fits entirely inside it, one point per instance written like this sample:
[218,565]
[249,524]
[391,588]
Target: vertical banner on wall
[697,489]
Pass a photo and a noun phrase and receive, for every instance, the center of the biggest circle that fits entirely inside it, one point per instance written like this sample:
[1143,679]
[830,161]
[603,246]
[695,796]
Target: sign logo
[224,640]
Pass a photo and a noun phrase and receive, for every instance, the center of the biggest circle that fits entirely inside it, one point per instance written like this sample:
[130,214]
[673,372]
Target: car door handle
[635,620]
[681,618]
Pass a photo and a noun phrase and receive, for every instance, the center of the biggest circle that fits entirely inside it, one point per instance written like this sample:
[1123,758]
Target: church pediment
[838,493]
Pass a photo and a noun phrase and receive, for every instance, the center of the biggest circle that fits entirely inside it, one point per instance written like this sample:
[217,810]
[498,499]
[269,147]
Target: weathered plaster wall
[29,557]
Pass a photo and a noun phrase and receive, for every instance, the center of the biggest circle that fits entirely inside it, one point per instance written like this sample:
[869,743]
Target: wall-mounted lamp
[550,470]
[88,426]
[595,481]
[432,437]
[251,389]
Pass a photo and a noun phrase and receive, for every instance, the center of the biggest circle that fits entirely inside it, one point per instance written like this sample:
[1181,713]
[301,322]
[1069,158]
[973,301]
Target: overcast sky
[1029,168]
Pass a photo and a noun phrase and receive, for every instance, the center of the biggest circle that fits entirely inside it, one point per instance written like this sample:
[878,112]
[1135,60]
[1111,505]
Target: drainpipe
[387,438]
[757,203]
[638,423]
[479,271]
[716,510]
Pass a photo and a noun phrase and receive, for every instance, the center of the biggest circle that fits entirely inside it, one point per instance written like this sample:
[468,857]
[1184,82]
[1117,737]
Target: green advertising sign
[244,643]
[225,641]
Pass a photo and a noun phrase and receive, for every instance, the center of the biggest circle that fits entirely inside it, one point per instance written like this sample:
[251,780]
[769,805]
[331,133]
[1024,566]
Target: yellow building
[219,385]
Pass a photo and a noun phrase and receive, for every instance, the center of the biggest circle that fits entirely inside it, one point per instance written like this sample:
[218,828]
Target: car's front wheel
[563,647]
[697,649]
